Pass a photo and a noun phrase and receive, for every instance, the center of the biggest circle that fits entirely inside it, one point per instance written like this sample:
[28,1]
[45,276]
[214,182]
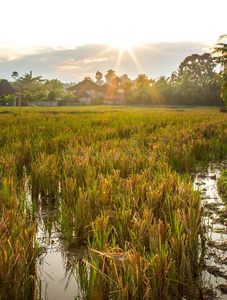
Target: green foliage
[220,55]
[199,68]
[9,99]
[97,101]
[222,185]
[70,97]
[51,96]
[35,89]
[6,100]
[161,91]
[193,82]
[141,91]
[39,95]
[56,86]
[28,96]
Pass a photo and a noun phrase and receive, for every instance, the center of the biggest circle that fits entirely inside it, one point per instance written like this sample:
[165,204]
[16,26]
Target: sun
[124,45]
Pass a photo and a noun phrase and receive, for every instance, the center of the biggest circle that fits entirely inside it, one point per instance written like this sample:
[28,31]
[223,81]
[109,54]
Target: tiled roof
[82,94]
[85,85]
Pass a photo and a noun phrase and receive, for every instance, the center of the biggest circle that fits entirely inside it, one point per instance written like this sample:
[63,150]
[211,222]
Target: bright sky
[70,23]
[35,27]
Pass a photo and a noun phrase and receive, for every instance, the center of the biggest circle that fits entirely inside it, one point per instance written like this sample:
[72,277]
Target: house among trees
[113,93]
[87,91]
[6,89]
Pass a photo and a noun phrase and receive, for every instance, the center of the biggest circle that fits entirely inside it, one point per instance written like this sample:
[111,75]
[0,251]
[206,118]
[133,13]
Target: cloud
[69,68]
[13,58]
[95,60]
[71,65]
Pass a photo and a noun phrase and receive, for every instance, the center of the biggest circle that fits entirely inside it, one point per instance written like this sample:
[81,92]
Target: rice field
[120,179]
[222,185]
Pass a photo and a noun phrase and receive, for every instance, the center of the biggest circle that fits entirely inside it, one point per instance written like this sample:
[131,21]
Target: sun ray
[136,62]
[119,58]
[100,54]
[129,49]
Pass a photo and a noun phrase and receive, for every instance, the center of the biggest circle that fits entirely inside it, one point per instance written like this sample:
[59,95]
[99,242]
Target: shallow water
[57,262]
[215,269]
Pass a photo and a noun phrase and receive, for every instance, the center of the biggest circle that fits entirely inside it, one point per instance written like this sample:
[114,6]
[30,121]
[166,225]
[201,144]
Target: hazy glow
[37,27]
[123,23]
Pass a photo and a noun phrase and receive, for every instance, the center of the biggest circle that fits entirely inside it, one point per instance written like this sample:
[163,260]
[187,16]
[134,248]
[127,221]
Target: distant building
[7,89]
[114,94]
[87,90]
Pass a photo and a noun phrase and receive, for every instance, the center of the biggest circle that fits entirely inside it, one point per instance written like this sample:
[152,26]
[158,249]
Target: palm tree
[15,74]
[220,54]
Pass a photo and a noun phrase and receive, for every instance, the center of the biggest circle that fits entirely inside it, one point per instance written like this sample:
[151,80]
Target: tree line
[195,82]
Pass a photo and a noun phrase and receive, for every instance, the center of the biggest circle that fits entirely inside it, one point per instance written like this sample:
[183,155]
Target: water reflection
[57,261]
[62,273]
[215,270]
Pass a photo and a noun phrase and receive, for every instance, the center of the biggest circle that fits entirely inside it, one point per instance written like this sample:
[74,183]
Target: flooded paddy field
[99,205]
[58,264]
[215,221]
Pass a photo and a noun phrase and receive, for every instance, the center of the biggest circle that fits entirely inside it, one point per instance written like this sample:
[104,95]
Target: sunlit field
[120,179]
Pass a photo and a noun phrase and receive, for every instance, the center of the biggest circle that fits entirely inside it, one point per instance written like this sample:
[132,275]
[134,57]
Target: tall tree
[110,75]
[220,55]
[141,92]
[32,86]
[193,82]
[143,80]
[98,77]
[15,75]
[28,83]
[54,85]
[161,91]
[199,68]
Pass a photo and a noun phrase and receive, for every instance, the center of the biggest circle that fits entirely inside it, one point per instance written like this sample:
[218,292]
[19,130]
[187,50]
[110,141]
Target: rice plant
[120,181]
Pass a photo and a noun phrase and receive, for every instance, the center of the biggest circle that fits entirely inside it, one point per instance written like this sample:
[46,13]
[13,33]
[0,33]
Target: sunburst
[124,48]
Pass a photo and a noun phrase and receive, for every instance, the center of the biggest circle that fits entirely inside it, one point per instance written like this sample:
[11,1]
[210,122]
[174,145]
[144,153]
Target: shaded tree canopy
[52,96]
[141,92]
[199,68]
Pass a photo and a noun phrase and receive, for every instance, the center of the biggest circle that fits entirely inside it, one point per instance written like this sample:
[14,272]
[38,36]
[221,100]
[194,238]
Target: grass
[222,185]
[119,179]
